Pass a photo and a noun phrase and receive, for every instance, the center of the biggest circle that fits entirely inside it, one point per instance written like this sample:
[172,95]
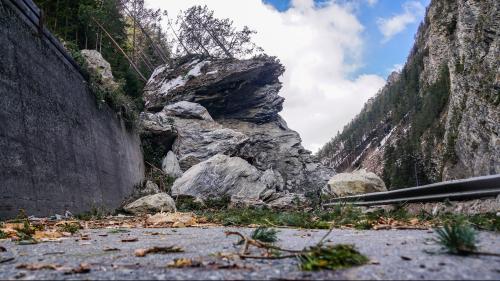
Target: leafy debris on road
[184,262]
[317,257]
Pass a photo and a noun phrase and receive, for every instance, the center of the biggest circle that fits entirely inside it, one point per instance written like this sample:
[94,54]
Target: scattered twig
[158,250]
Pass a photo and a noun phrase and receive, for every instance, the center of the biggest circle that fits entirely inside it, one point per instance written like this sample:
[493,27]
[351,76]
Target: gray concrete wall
[58,150]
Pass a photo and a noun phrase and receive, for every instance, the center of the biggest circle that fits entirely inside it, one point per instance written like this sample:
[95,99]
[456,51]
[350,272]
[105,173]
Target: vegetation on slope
[407,102]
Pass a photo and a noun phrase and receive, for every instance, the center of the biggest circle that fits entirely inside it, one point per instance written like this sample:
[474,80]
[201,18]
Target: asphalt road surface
[394,254]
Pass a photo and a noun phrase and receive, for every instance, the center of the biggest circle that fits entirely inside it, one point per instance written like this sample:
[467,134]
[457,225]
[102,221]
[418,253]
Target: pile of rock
[217,122]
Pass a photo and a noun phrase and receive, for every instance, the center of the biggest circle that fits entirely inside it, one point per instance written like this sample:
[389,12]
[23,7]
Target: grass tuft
[70,227]
[458,238]
[264,234]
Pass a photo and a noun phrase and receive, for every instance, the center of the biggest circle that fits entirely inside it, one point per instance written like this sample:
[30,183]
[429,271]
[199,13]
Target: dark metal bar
[457,189]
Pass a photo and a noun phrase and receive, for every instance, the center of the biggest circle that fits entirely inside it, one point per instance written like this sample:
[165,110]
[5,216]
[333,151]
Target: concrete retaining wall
[58,150]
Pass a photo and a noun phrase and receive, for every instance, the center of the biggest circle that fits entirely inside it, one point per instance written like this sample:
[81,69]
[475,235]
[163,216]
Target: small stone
[151,204]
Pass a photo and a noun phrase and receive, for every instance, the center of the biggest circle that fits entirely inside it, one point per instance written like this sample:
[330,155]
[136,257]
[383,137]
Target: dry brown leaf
[182,219]
[85,237]
[81,269]
[47,235]
[39,266]
[181,263]
[157,250]
[414,221]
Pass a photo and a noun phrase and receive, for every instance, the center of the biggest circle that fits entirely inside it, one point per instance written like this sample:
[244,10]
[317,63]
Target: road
[394,254]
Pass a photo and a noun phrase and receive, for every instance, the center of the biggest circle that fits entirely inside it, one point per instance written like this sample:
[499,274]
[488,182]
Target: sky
[337,53]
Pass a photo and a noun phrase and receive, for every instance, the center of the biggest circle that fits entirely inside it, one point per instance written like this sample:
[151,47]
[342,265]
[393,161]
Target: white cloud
[397,68]
[320,48]
[372,2]
[389,27]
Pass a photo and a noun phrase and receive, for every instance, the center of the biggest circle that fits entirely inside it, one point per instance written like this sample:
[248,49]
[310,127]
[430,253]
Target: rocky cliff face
[438,119]
[203,109]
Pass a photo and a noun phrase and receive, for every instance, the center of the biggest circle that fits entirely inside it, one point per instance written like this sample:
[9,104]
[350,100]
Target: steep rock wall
[58,150]
[439,119]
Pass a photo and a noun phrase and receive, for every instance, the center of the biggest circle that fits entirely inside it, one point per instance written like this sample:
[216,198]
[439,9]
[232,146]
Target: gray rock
[221,176]
[97,64]
[192,140]
[462,37]
[358,182]
[188,110]
[170,165]
[151,204]
[274,146]
[242,97]
[240,89]
[150,188]
[288,201]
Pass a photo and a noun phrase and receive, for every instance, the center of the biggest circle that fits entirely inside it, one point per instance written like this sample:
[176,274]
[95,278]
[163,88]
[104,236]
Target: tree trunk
[121,50]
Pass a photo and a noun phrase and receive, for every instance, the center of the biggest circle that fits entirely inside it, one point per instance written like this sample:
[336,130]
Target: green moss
[3,235]
[331,258]
[118,231]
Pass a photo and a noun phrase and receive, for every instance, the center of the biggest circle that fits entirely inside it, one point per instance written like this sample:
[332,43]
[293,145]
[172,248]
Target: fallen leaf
[111,249]
[131,239]
[38,266]
[81,269]
[85,237]
[54,253]
[157,250]
[180,219]
[183,262]
[6,259]
[414,221]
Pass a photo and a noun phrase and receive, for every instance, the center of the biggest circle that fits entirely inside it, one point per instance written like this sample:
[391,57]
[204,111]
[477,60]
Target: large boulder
[151,204]
[358,182]
[241,96]
[273,145]
[222,176]
[240,89]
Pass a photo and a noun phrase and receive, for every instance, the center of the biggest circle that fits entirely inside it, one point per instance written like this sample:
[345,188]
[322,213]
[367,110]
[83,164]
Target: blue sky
[380,56]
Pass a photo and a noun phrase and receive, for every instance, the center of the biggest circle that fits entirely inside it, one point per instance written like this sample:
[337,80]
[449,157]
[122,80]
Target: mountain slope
[439,118]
